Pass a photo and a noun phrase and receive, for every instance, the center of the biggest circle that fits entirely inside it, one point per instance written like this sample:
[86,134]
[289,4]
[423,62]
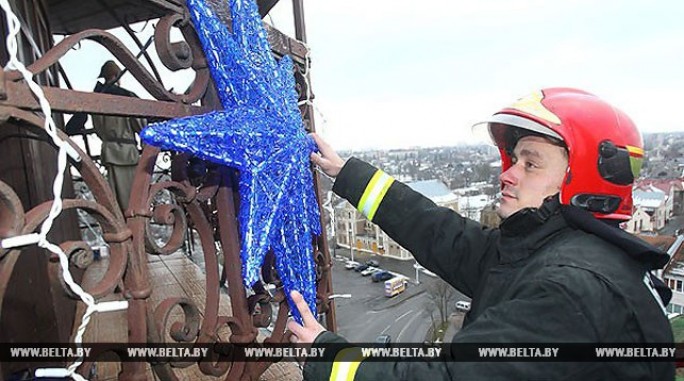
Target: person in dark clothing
[557,270]
[120,152]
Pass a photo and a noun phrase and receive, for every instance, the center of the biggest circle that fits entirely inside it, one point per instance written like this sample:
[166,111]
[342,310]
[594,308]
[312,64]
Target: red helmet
[605,149]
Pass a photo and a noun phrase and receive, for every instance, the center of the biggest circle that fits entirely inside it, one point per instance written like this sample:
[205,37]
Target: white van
[462,305]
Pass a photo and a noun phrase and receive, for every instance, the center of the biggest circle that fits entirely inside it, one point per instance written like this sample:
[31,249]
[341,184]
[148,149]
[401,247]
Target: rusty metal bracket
[72,101]
[3,92]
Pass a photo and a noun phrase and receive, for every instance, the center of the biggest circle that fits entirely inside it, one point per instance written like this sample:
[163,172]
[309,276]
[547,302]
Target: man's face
[537,172]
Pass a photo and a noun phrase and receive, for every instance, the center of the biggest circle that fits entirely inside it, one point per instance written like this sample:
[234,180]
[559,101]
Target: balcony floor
[174,275]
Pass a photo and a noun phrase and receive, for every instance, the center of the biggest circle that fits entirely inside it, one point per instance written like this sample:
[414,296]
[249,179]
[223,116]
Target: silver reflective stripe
[651,287]
[520,122]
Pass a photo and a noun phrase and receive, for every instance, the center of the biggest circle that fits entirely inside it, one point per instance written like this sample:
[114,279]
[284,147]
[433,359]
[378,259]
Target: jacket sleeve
[322,368]
[511,322]
[452,246]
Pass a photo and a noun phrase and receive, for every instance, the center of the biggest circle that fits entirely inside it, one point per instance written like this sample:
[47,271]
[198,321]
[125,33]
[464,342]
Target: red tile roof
[662,184]
[664,242]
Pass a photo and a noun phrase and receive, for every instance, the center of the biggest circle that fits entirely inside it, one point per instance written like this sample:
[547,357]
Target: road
[676,223]
[368,313]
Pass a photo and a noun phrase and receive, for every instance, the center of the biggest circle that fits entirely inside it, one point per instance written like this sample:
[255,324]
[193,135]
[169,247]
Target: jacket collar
[527,230]
[636,248]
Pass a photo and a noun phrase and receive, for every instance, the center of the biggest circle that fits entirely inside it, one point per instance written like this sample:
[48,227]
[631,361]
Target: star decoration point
[260,133]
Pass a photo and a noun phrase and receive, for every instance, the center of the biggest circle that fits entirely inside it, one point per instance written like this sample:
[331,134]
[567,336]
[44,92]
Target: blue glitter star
[260,133]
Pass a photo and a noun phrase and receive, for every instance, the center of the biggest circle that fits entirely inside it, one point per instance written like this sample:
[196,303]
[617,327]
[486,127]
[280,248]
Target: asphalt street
[368,313]
[672,226]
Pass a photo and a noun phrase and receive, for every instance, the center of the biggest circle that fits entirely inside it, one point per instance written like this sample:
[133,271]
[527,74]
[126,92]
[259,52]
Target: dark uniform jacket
[549,275]
[119,146]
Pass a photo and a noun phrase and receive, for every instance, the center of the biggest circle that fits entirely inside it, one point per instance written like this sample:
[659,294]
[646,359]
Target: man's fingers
[323,146]
[294,339]
[317,139]
[307,317]
[316,158]
[295,328]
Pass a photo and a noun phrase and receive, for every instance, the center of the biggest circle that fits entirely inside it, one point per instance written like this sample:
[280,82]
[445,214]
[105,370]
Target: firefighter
[557,270]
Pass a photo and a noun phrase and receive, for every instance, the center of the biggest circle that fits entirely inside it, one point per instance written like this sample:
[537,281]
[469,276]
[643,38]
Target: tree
[440,296]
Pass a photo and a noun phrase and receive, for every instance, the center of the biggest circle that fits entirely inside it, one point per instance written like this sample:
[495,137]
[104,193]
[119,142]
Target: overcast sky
[399,73]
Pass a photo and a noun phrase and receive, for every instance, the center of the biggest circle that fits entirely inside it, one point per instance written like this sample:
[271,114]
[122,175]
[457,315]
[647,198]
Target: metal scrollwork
[199,197]
[174,55]
[115,234]
[79,253]
[170,215]
[180,331]
[128,59]
[11,214]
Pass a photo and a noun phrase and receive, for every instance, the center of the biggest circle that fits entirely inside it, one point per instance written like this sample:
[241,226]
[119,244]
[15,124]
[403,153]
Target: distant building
[471,206]
[673,273]
[656,201]
[652,209]
[364,236]
[489,217]
[436,191]
[673,188]
[640,222]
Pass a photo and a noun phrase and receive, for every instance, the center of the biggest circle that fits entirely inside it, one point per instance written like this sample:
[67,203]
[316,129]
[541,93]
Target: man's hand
[328,160]
[307,333]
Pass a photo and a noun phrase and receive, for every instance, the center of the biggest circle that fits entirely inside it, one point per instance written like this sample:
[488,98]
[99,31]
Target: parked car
[373,262]
[383,339]
[370,270]
[462,305]
[381,276]
[351,264]
[360,268]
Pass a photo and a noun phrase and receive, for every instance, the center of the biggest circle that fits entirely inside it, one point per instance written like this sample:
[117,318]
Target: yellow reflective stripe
[635,150]
[375,191]
[346,364]
[381,195]
[369,189]
[353,367]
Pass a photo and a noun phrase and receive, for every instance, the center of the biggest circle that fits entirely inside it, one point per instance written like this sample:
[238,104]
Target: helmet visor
[503,136]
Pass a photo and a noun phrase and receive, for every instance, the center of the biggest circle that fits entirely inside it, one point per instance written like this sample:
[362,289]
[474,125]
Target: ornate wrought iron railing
[204,202]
